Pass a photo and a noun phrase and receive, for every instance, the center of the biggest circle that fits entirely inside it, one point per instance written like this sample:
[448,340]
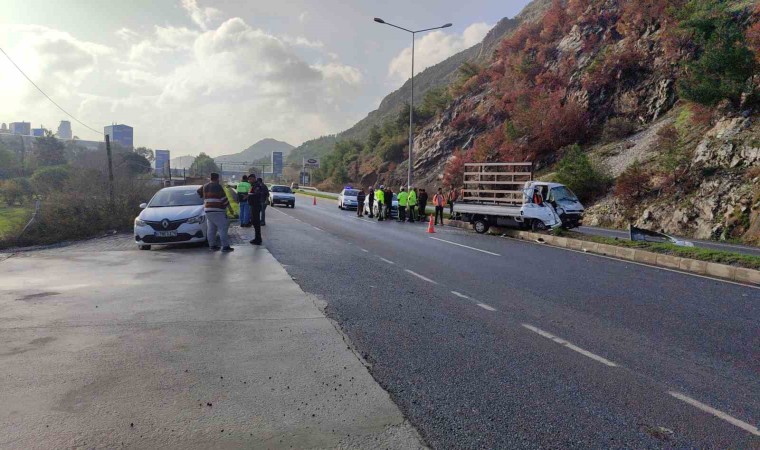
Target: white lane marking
[364,250]
[563,342]
[317,228]
[720,414]
[486,307]
[421,277]
[625,261]
[387,260]
[466,246]
[460,295]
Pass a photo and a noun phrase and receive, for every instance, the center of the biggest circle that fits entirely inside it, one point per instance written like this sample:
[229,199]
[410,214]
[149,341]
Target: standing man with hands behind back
[216,204]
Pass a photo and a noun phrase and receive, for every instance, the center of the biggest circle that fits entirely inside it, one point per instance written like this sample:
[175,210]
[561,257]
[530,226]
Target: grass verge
[316,194]
[698,253]
[12,219]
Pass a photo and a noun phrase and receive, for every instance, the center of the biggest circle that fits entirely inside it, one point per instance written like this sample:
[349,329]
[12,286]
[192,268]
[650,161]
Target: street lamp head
[446,26]
[379,20]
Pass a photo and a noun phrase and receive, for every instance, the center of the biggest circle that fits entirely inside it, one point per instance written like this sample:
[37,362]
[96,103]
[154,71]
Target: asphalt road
[714,245]
[487,342]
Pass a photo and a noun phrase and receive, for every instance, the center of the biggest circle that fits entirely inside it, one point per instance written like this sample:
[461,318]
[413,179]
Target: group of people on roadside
[412,203]
[252,198]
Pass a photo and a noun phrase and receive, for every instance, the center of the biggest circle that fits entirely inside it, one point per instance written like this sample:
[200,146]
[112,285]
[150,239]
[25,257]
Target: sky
[216,76]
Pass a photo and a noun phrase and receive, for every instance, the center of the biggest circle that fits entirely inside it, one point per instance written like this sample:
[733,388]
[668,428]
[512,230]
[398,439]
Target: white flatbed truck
[504,194]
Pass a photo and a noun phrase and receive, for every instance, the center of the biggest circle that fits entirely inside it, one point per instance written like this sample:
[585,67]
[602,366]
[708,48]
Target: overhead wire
[47,96]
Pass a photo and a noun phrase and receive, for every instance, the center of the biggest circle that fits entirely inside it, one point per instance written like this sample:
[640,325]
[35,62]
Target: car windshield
[284,189]
[563,193]
[350,192]
[175,197]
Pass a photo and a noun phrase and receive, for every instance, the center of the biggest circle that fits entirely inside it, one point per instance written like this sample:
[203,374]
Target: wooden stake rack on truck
[497,183]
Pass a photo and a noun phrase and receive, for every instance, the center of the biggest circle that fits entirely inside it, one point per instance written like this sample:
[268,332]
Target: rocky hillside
[661,96]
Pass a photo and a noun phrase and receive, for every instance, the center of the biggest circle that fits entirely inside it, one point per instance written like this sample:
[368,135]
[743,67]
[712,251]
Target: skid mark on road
[717,413]
[569,345]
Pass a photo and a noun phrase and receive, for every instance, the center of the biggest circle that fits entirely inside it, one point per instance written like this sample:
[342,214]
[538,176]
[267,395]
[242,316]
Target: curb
[738,274]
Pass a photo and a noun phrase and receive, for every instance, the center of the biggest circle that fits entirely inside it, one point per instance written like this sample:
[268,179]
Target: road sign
[277,164]
[311,163]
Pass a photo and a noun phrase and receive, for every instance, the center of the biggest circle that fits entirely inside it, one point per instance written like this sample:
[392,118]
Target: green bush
[579,173]
[47,179]
[723,64]
[12,191]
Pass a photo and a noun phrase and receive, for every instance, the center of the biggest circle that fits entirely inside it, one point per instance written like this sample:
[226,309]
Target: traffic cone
[431,228]
[314,201]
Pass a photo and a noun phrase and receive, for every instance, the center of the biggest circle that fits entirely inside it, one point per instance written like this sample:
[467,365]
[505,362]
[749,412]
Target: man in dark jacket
[422,200]
[360,197]
[264,200]
[255,201]
[388,195]
[371,200]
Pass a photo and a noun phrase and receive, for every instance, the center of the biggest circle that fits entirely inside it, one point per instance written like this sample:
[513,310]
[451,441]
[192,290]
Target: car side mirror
[143,205]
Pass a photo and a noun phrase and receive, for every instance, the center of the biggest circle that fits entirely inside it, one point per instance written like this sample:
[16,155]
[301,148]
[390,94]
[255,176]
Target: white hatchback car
[174,215]
[347,199]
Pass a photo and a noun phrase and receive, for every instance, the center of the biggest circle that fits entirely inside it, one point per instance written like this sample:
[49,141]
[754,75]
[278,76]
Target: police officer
[402,199]
[380,196]
[412,203]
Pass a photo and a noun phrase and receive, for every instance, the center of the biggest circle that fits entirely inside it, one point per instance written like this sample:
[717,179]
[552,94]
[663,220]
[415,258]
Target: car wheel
[537,225]
[293,206]
[481,226]
[144,247]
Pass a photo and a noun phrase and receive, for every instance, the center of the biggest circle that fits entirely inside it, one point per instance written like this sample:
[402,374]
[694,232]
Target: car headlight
[197,219]
[139,223]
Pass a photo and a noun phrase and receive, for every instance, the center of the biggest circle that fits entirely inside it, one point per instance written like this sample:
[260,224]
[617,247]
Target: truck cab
[563,200]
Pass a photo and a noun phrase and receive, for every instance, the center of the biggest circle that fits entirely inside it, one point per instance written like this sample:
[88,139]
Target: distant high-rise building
[120,134]
[38,132]
[64,130]
[22,128]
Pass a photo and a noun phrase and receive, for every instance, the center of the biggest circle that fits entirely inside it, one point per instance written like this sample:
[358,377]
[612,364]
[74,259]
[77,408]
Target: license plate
[166,233]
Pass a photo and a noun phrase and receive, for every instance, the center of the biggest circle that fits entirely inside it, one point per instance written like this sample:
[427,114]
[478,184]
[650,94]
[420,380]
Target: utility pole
[110,172]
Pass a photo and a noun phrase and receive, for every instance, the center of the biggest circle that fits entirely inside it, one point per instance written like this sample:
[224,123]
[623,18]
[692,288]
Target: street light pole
[411,99]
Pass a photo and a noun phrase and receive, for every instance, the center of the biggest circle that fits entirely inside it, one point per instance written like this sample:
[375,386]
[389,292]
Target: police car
[347,198]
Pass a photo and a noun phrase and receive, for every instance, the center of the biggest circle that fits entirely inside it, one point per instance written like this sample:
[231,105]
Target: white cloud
[303,17]
[215,89]
[202,16]
[433,48]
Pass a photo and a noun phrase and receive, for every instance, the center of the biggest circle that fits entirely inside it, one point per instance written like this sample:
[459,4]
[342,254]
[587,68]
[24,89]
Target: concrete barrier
[739,274]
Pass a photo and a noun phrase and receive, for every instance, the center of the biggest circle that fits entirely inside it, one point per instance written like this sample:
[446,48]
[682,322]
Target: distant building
[163,165]
[120,134]
[64,130]
[22,128]
[38,132]
[4,128]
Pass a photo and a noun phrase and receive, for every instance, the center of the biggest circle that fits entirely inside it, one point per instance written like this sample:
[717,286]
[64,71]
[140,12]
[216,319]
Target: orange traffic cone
[314,201]
[431,228]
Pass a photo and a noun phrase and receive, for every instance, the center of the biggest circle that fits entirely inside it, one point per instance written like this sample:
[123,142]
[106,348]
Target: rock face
[725,204]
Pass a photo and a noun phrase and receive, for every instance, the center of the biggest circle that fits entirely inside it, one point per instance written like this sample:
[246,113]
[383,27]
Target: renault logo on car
[165,223]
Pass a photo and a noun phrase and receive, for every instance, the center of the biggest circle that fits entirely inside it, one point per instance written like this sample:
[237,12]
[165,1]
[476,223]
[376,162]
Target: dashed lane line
[460,295]
[364,250]
[387,260]
[569,345]
[486,307]
[465,246]
[717,413]
[421,277]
